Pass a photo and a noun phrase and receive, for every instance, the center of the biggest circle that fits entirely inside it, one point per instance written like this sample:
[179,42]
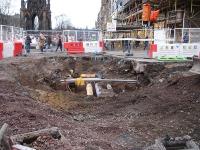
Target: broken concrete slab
[104,92]
[178,143]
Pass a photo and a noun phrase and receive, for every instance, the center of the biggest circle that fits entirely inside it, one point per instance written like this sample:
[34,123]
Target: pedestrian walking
[42,40]
[137,42]
[49,42]
[59,43]
[112,45]
[146,46]
[28,44]
[146,43]
[186,38]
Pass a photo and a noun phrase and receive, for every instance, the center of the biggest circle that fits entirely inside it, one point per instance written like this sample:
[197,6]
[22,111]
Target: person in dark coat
[59,44]
[146,43]
[28,43]
[186,38]
[49,42]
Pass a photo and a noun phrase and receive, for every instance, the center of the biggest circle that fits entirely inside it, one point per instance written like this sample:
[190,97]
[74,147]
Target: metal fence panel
[81,35]
[51,37]
[10,33]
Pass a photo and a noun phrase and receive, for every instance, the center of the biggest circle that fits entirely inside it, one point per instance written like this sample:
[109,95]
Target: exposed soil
[166,102]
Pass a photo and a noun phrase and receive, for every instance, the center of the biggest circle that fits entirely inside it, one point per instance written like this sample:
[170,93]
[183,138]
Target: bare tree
[7,15]
[63,22]
[4,11]
[5,7]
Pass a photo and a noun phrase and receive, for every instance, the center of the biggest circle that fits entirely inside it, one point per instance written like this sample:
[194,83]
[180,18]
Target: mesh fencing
[187,35]
[10,33]
[81,35]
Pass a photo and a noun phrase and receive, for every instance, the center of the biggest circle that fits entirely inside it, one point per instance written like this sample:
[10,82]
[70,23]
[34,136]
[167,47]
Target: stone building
[173,14]
[104,15]
[128,13]
[35,10]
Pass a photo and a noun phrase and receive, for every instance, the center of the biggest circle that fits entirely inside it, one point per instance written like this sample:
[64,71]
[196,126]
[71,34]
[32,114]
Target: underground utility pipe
[99,80]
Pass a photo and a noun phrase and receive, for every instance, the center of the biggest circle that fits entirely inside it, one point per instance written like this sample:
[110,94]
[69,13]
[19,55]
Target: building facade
[35,9]
[172,14]
[104,15]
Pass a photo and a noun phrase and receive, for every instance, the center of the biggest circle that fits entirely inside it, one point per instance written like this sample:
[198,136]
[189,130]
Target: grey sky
[81,13]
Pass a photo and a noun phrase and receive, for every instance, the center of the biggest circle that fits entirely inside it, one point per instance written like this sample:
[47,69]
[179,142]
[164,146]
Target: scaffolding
[173,14]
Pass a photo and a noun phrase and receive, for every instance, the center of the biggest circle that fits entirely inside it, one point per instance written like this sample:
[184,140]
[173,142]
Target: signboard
[111,27]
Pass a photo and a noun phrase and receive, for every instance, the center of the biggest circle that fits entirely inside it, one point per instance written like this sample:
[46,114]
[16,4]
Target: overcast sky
[81,13]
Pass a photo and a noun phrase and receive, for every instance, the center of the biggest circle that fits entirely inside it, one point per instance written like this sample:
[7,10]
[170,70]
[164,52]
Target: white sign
[111,27]
[173,50]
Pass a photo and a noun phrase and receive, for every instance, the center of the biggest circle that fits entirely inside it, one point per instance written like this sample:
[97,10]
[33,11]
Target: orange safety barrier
[153,48]
[1,50]
[154,15]
[74,47]
[146,12]
[18,46]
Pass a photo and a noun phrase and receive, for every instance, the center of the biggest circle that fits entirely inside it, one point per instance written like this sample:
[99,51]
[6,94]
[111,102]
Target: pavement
[139,55]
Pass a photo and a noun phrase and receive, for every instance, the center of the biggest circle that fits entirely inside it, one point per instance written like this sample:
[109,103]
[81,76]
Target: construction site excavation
[102,102]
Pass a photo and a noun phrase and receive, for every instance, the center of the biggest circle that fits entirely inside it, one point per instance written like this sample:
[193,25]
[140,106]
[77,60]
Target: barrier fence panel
[11,41]
[185,43]
[138,37]
[187,35]
[82,41]
[179,42]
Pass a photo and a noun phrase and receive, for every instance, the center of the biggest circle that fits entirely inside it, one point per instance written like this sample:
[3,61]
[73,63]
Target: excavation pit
[165,99]
[46,79]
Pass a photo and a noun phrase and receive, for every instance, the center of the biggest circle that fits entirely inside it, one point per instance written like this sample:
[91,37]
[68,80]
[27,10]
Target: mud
[166,101]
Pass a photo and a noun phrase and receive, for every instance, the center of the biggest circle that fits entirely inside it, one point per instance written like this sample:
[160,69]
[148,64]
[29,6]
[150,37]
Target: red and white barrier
[173,50]
[74,47]
[84,47]
[1,50]
[10,49]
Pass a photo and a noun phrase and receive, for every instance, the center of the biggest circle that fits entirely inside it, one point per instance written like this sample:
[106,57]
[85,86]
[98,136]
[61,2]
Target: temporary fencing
[185,42]
[179,42]
[11,41]
[82,41]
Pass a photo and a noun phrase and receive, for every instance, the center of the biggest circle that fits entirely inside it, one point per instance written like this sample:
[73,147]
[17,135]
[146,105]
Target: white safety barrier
[189,50]
[83,41]
[8,49]
[92,47]
[170,50]
[180,50]
[11,41]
